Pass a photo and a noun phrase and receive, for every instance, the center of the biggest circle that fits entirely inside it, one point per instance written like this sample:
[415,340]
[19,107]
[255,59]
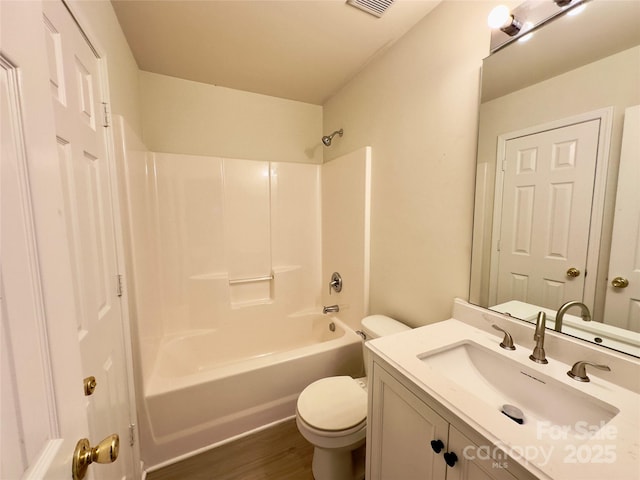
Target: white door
[30,424]
[75,78]
[546,211]
[62,212]
[622,304]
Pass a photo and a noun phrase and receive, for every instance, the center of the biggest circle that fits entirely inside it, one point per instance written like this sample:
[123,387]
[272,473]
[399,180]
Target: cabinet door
[401,429]
[476,462]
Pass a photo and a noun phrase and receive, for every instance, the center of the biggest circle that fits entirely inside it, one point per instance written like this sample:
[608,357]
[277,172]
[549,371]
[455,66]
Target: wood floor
[277,453]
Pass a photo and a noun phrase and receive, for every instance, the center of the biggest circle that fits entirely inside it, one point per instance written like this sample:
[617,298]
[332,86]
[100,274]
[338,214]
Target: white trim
[42,467]
[497,222]
[120,259]
[605,116]
[367,229]
[186,456]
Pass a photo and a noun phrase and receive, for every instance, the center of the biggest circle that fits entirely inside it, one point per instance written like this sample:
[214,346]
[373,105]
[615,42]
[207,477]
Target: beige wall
[417,107]
[182,116]
[99,20]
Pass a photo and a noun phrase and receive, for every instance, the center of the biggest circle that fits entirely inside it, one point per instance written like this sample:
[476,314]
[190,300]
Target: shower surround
[227,264]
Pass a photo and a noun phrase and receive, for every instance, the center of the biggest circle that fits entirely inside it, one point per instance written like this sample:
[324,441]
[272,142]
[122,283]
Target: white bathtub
[212,385]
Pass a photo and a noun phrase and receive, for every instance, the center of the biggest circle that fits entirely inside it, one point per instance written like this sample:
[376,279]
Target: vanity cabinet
[400,433]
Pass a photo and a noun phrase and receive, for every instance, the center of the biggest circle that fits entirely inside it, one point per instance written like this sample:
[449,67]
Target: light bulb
[499,17]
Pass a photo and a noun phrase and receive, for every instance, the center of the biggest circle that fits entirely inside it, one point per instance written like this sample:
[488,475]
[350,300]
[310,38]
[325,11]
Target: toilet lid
[333,404]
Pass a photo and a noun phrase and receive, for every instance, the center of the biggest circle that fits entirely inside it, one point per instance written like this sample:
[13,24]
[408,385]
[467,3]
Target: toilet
[331,414]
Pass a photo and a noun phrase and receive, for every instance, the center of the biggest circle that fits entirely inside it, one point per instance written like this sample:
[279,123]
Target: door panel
[42,408]
[546,210]
[622,305]
[476,463]
[401,432]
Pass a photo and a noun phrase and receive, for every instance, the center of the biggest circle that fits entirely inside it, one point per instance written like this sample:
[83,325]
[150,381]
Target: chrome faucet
[586,316]
[331,309]
[538,354]
[579,370]
[507,341]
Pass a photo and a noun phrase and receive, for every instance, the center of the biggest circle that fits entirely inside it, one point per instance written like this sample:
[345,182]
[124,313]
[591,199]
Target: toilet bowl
[331,414]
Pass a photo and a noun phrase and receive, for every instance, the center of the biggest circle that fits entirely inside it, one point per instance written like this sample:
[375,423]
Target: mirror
[555,102]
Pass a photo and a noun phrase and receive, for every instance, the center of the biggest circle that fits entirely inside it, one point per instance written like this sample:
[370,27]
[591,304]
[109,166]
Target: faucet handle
[579,370]
[507,341]
[335,283]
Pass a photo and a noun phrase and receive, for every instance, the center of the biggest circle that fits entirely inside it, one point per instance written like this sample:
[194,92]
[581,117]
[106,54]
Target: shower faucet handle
[335,283]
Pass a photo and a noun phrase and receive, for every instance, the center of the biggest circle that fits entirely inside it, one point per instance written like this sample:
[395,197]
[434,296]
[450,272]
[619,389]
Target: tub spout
[331,309]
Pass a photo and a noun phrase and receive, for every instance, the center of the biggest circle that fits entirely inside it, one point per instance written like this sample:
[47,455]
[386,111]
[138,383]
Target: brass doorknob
[105,452]
[620,282]
[573,272]
[90,385]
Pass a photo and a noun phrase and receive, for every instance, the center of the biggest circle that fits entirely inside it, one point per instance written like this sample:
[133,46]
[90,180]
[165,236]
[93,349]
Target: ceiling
[303,50]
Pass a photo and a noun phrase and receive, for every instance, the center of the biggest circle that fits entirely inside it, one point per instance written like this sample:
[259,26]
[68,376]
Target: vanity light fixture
[501,17]
[526,38]
[527,35]
[509,25]
[577,10]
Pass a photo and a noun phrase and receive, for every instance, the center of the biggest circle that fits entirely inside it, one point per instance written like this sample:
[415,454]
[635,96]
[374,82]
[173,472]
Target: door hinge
[106,117]
[504,165]
[119,287]
[132,434]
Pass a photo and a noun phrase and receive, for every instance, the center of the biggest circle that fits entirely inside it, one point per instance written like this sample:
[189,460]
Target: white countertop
[613,452]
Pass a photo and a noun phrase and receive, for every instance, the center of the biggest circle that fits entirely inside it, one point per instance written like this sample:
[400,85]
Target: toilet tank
[375,326]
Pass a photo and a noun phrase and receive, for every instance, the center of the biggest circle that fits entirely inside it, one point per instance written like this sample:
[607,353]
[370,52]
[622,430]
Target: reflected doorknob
[83,456]
[573,272]
[620,282]
[90,385]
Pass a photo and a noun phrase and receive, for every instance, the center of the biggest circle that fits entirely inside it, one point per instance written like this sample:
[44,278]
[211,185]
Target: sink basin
[494,379]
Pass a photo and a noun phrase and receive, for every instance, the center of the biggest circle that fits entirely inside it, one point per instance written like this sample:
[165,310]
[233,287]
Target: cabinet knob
[450,458]
[437,445]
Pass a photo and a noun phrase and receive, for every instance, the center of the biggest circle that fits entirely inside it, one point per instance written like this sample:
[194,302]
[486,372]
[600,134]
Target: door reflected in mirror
[557,208]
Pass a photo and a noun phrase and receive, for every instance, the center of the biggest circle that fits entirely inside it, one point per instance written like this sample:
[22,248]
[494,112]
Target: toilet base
[338,464]
[359,462]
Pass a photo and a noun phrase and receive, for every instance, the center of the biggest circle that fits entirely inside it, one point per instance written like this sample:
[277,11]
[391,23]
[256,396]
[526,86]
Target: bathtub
[209,386]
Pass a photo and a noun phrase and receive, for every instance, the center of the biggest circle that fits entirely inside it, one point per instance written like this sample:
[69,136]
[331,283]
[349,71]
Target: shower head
[327,138]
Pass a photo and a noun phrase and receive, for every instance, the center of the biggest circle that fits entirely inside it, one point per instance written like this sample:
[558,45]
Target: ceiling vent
[374,7]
